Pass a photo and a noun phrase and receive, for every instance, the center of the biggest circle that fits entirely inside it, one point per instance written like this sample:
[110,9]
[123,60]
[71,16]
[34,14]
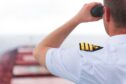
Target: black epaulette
[89,47]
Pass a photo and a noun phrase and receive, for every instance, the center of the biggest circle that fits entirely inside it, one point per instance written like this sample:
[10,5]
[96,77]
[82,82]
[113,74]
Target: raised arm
[55,39]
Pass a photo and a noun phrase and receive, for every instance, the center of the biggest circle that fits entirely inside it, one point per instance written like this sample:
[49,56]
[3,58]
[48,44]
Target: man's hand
[84,14]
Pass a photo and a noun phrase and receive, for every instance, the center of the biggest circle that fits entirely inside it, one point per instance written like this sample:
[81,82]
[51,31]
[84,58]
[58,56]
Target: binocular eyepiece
[97,11]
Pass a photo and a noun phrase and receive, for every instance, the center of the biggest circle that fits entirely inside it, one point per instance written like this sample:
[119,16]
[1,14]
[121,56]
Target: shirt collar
[117,39]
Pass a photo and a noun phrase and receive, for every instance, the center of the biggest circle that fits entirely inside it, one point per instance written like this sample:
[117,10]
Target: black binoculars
[97,11]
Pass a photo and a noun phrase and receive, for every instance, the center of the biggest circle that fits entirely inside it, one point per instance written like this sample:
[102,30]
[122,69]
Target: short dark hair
[117,11]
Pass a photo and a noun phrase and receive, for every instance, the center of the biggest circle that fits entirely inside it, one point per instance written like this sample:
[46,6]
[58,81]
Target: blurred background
[24,23]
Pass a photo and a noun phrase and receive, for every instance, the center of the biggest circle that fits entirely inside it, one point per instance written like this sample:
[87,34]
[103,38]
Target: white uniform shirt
[104,66]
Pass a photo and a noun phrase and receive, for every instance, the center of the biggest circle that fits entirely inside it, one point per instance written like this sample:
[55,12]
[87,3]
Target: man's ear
[107,13]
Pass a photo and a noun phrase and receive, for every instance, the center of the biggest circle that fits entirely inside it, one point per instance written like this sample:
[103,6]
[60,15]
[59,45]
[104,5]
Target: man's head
[115,16]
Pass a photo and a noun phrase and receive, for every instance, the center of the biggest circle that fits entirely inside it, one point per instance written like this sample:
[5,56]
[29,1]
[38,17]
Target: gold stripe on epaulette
[89,47]
[82,47]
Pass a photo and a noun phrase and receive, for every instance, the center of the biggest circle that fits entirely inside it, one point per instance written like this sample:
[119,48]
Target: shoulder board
[89,47]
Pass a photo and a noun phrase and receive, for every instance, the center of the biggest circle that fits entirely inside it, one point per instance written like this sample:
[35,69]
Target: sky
[36,17]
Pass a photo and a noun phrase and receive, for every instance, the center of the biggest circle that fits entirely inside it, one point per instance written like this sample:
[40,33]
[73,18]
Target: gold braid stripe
[82,46]
[89,47]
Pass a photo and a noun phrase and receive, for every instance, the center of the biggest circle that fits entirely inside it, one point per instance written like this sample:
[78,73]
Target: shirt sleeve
[64,63]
